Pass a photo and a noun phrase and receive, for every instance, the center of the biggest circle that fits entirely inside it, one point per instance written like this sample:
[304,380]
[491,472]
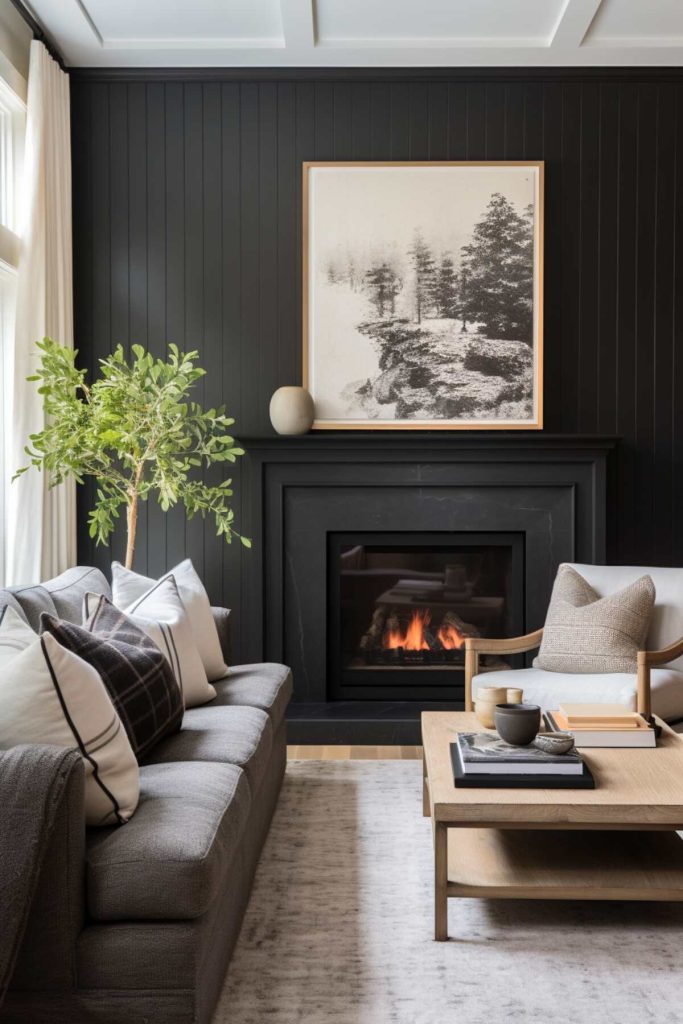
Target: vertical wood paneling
[138,244]
[676,213]
[664,347]
[589,234]
[155,145]
[174,119]
[626,316]
[187,228]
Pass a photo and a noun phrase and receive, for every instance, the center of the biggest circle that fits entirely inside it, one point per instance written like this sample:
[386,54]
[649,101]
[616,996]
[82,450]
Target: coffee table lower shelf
[564,865]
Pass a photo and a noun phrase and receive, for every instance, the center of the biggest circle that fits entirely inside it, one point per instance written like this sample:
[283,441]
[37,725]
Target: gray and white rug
[339,928]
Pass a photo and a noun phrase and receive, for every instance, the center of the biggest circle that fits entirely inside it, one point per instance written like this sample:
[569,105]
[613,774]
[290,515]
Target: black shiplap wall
[187,206]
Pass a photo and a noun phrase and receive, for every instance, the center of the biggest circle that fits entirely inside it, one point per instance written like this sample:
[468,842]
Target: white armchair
[657,686]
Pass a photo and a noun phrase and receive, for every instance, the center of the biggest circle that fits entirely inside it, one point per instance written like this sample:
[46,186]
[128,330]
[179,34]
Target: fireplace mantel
[298,491]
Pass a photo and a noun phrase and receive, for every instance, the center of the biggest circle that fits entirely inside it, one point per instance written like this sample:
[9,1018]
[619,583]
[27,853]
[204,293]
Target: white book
[631,738]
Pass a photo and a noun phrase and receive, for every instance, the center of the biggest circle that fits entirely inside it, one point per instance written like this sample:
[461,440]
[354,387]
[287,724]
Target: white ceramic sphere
[292,410]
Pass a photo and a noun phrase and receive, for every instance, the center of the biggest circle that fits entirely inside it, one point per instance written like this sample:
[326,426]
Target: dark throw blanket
[33,780]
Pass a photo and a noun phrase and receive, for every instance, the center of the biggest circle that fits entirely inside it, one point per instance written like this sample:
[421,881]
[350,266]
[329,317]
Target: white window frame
[12,133]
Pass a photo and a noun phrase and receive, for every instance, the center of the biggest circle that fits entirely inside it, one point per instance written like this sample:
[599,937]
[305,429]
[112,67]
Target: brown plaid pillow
[137,675]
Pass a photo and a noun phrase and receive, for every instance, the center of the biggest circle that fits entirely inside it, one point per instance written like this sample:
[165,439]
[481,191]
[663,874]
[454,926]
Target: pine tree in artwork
[498,264]
[446,288]
[424,268]
[383,285]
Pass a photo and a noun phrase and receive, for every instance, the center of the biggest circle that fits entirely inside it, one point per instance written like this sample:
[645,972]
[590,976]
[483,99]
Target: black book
[583,781]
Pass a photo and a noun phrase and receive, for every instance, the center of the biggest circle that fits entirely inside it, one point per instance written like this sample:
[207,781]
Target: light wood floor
[345,753]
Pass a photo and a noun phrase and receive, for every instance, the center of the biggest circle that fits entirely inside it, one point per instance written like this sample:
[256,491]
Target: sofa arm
[221,616]
[46,956]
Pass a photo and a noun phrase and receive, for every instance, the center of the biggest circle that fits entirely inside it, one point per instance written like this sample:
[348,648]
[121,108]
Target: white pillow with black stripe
[128,586]
[50,695]
[160,612]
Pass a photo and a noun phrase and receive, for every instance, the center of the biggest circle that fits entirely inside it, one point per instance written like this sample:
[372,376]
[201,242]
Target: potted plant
[136,431]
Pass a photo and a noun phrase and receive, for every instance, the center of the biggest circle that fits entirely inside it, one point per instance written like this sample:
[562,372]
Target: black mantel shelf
[300,491]
[361,441]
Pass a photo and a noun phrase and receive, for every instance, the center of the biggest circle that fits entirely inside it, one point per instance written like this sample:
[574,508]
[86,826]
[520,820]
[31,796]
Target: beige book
[617,713]
[633,724]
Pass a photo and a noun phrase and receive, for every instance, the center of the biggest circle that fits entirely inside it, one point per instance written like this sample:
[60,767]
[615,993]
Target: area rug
[339,927]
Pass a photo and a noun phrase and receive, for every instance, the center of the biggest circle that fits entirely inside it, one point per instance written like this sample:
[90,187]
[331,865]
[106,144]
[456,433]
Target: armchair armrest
[474,646]
[648,660]
[221,618]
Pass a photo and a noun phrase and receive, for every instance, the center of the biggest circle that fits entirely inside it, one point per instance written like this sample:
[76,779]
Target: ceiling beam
[575,19]
[298,24]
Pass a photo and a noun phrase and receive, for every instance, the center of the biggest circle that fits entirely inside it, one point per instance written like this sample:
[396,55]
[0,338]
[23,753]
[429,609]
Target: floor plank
[343,752]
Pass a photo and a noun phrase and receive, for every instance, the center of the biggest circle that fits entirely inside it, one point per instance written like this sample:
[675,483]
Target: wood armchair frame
[474,646]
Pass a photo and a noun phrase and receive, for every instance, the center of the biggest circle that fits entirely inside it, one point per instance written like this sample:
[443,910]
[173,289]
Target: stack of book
[482,760]
[602,725]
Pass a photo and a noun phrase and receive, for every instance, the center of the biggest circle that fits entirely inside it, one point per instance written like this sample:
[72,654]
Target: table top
[633,788]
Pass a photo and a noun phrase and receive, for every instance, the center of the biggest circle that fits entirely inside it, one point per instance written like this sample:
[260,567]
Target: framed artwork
[423,294]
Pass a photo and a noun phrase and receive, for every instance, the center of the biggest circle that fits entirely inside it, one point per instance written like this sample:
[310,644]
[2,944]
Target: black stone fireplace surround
[549,490]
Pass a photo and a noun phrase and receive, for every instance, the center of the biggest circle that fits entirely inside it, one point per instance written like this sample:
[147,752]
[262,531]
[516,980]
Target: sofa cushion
[69,588]
[34,601]
[61,596]
[50,695]
[267,686]
[161,613]
[549,688]
[170,860]
[239,736]
[8,600]
[128,586]
[137,676]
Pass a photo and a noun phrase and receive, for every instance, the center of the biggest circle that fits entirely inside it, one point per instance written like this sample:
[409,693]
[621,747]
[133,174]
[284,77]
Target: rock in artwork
[424,294]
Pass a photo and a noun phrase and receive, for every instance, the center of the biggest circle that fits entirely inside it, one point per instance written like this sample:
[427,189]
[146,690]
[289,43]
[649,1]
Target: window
[12,128]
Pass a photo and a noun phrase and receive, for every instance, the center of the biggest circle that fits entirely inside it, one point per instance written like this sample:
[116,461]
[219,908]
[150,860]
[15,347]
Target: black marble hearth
[548,491]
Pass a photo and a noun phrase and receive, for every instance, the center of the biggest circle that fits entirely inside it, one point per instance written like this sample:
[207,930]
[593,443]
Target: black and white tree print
[498,265]
[437,322]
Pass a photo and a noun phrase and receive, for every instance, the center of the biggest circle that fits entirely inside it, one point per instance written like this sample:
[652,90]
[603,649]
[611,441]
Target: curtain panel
[41,525]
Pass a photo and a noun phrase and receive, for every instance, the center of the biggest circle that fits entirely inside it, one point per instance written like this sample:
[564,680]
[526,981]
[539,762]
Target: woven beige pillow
[587,633]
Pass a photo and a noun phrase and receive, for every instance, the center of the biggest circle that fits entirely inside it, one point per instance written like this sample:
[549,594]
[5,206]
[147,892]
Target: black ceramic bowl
[517,723]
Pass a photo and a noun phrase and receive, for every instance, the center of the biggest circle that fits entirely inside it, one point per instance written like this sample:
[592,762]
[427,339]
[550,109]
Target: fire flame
[450,638]
[414,637]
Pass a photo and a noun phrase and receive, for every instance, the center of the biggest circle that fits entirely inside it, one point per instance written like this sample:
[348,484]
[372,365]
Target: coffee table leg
[440,881]
[425,789]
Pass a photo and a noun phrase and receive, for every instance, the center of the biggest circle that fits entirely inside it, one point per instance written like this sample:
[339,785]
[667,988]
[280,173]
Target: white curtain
[42,522]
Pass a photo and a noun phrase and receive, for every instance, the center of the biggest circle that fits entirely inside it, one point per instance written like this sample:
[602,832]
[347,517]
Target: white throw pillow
[127,586]
[161,613]
[50,695]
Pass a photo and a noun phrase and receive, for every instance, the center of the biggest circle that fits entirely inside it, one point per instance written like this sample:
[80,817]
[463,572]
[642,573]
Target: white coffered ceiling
[364,33]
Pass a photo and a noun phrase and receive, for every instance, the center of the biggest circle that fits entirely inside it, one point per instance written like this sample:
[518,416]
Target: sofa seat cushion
[239,736]
[550,688]
[169,861]
[268,686]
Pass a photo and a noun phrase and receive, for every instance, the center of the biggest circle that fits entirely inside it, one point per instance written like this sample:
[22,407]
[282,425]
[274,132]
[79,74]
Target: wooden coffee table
[556,844]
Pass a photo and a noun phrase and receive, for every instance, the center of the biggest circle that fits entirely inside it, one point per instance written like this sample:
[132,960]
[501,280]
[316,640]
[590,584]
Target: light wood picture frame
[423,294]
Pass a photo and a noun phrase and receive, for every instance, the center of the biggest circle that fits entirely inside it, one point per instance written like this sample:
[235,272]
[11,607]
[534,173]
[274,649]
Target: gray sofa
[137,924]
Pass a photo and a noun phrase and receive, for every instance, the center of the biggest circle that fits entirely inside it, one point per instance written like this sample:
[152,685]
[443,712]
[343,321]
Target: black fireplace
[373,555]
[400,606]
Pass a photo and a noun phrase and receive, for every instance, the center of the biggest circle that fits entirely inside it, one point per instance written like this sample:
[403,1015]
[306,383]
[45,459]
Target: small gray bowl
[517,724]
[555,743]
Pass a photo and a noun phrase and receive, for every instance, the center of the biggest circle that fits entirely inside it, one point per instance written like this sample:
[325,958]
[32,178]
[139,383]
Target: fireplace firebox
[401,605]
